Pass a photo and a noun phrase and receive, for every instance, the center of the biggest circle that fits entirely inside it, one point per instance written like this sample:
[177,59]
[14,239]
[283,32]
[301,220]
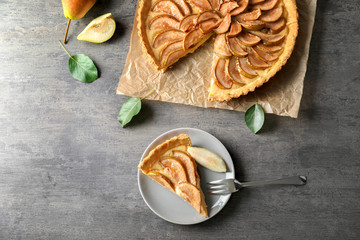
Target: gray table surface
[68,170]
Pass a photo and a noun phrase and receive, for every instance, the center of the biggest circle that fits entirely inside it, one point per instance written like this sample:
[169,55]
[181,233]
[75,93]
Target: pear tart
[170,165]
[253,38]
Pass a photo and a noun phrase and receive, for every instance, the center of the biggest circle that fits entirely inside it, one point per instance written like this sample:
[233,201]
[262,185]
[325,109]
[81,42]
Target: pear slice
[227,7]
[242,6]
[202,4]
[191,194]
[245,69]
[167,35]
[170,47]
[207,26]
[99,30]
[224,25]
[221,48]
[163,21]
[233,72]
[277,26]
[235,47]
[249,16]
[175,169]
[221,78]
[188,163]
[207,15]
[267,57]
[174,56]
[168,7]
[215,4]
[267,5]
[271,16]
[184,6]
[235,29]
[188,22]
[269,48]
[253,25]
[256,62]
[163,180]
[270,39]
[248,39]
[252,2]
[192,38]
[208,159]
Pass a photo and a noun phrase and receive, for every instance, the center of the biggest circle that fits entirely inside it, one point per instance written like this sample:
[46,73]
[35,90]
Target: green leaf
[82,68]
[254,118]
[128,110]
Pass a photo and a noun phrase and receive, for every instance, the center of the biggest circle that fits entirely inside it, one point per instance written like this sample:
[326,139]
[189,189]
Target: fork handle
[296,180]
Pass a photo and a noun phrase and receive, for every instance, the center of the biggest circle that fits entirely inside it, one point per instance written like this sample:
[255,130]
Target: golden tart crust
[254,39]
[170,165]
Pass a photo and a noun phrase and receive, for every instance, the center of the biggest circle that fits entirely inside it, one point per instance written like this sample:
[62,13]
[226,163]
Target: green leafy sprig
[130,108]
[254,118]
[81,67]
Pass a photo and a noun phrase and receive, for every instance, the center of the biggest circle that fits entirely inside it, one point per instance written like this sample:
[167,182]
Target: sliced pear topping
[272,15]
[188,163]
[170,47]
[235,29]
[202,4]
[248,39]
[224,25]
[192,38]
[165,36]
[235,47]
[185,9]
[270,39]
[163,22]
[174,168]
[256,1]
[207,158]
[267,57]
[253,25]
[249,16]
[227,7]
[267,5]
[242,6]
[215,4]
[221,48]
[269,48]
[245,69]
[191,194]
[222,80]
[99,30]
[174,56]
[277,26]
[163,180]
[207,15]
[168,7]
[254,61]
[209,25]
[188,22]
[233,72]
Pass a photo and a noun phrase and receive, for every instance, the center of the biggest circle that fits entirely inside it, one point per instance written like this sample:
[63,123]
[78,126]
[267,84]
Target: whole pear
[75,9]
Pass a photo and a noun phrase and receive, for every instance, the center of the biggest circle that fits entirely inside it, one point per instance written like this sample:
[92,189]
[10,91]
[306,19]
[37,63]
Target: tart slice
[171,166]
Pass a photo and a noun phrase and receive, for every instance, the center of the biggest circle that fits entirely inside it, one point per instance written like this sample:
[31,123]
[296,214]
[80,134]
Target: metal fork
[226,186]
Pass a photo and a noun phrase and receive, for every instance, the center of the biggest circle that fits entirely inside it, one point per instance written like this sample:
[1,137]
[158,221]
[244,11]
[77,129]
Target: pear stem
[67,29]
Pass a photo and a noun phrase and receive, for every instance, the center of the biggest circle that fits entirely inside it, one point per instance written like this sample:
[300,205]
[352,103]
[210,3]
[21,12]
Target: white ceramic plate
[168,205]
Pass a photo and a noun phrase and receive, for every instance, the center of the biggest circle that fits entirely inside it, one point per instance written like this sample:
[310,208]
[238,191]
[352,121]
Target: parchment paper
[189,79]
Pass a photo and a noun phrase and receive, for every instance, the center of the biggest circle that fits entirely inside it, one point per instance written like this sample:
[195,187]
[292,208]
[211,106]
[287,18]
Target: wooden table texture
[68,170]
